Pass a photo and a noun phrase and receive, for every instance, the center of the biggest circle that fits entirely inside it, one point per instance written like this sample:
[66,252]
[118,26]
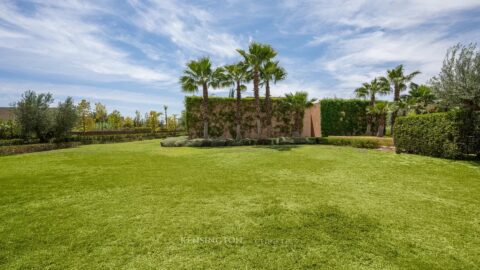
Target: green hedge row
[343,117]
[30,148]
[184,141]
[116,138]
[454,134]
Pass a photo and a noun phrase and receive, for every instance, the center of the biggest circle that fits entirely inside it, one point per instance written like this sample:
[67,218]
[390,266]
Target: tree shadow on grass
[278,147]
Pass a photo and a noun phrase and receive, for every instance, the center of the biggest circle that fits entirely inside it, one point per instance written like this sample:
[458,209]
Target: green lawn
[137,205]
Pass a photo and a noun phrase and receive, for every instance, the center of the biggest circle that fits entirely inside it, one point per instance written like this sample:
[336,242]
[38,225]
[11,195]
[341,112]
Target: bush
[174,141]
[183,141]
[452,134]
[354,142]
[30,148]
[343,117]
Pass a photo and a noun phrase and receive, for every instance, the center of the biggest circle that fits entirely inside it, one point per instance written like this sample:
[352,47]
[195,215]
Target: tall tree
[115,119]
[33,115]
[398,82]
[370,91]
[237,75]
[165,108]
[152,121]
[65,118]
[458,84]
[137,121]
[296,104]
[270,72]
[255,57]
[101,114]
[85,115]
[199,73]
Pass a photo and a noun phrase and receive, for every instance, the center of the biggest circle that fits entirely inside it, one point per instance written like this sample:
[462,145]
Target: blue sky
[130,54]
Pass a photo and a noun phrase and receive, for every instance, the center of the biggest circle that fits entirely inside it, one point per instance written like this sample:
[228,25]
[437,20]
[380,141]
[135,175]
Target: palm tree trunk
[238,114]
[369,132]
[257,101]
[205,111]
[394,113]
[268,105]
[381,125]
[369,126]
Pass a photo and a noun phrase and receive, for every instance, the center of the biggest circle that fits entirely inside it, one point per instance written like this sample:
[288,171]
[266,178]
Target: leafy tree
[86,121]
[458,84]
[66,117]
[152,120]
[237,75]
[101,114]
[297,103]
[370,90]
[270,72]
[398,82]
[33,115]
[115,119]
[128,122]
[257,55]
[137,121]
[8,129]
[172,123]
[199,73]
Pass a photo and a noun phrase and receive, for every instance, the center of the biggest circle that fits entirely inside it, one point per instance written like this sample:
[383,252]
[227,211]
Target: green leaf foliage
[453,134]
[222,117]
[343,117]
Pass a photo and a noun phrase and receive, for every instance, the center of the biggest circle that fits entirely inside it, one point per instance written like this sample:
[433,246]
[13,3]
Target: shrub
[354,142]
[452,134]
[182,141]
[30,148]
[174,141]
[343,116]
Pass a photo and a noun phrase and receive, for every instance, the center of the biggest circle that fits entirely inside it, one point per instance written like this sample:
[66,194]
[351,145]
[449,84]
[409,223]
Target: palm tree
[398,82]
[370,90]
[200,73]
[236,75]
[380,110]
[270,72]
[297,103]
[165,108]
[257,55]
[420,96]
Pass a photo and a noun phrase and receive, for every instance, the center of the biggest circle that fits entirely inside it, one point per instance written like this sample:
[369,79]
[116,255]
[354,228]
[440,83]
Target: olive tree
[33,115]
[458,84]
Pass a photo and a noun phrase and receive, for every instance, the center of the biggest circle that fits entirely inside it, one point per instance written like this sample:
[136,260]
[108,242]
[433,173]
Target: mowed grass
[137,205]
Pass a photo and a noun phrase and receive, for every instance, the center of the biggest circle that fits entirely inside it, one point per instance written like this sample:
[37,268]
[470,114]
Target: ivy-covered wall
[343,117]
[222,117]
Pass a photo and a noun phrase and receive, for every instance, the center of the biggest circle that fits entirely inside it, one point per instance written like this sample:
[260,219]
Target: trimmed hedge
[343,117]
[354,142]
[454,134]
[30,148]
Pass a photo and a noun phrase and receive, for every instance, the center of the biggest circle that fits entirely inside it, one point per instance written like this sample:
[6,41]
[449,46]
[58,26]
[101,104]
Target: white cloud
[188,26]
[61,34]
[361,39]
